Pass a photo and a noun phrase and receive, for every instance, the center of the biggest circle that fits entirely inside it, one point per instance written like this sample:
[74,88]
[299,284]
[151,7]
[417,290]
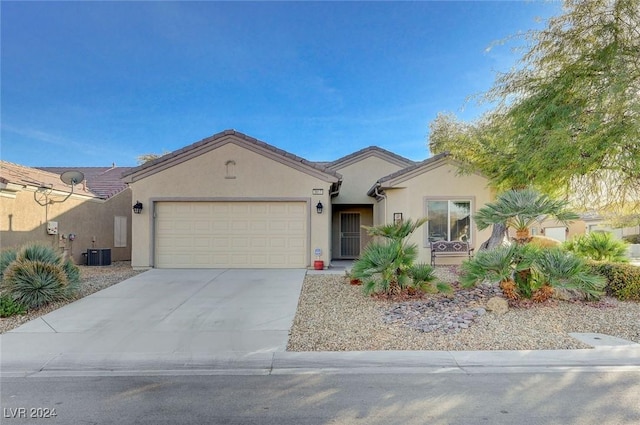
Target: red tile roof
[100,182]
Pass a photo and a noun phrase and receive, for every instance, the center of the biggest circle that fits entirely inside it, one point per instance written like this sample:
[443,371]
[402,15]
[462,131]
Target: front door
[349,235]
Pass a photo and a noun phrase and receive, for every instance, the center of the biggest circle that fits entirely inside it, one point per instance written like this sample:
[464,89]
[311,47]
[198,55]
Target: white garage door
[231,234]
[558,233]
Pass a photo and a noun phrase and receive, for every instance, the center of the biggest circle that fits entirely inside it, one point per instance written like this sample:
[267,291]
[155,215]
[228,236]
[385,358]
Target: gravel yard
[333,315]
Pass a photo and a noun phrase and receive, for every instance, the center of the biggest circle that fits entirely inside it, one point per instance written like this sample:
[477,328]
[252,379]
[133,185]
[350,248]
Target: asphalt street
[563,398]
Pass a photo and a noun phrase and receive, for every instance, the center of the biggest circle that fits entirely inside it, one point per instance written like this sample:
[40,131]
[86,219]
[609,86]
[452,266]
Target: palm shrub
[387,266]
[39,275]
[500,264]
[563,269]
[519,209]
[598,246]
[525,271]
[423,277]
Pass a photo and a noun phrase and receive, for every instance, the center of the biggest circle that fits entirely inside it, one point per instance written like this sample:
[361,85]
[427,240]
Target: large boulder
[498,305]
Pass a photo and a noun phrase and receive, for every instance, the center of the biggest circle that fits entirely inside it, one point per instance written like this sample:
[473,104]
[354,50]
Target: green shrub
[623,279]
[598,246]
[424,278]
[563,269]
[73,277]
[35,283]
[631,238]
[387,264]
[39,252]
[9,307]
[530,268]
[7,257]
[38,275]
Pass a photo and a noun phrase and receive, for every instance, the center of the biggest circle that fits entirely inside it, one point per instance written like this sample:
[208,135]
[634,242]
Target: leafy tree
[567,118]
[147,157]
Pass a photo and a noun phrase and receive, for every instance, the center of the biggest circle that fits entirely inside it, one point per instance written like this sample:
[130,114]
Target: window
[449,220]
[119,232]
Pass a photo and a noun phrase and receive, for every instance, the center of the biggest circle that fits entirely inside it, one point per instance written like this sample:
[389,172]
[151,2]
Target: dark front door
[349,235]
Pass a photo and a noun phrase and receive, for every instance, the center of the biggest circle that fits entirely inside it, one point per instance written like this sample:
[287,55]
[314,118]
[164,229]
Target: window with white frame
[449,220]
[120,231]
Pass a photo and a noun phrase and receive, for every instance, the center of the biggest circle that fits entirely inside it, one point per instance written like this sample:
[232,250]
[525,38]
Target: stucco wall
[22,221]
[409,198]
[229,172]
[358,177]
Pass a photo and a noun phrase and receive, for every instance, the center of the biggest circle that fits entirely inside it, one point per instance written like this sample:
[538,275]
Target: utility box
[52,227]
[99,257]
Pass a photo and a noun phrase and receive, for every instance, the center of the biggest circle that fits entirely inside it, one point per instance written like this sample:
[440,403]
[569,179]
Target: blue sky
[96,83]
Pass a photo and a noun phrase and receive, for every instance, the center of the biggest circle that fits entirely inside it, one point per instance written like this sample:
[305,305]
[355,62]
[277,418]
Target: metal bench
[449,249]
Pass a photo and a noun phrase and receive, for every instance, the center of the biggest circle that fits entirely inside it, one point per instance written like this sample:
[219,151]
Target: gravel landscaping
[334,315]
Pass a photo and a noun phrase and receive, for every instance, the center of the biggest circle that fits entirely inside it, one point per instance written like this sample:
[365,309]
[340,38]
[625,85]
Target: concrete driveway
[182,317]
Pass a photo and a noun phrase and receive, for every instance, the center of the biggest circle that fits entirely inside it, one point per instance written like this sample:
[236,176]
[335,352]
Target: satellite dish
[72,177]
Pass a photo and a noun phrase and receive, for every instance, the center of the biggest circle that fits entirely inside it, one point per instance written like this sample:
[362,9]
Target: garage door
[231,234]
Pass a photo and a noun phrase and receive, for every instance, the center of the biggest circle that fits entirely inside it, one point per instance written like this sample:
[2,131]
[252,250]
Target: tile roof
[211,142]
[27,176]
[103,182]
[371,151]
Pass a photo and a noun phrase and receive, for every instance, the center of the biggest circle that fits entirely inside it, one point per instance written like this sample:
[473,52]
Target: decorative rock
[444,313]
[498,305]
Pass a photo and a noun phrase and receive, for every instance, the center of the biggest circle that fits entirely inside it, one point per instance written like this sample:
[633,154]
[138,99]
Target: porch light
[137,208]
[319,207]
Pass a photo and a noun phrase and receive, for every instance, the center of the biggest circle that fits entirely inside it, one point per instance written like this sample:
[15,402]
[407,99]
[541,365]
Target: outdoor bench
[449,249]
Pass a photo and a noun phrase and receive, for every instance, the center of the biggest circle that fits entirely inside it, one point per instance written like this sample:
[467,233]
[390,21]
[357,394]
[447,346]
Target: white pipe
[383,196]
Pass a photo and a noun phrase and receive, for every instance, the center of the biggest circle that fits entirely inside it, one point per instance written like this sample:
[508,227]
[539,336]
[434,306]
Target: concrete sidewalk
[237,322]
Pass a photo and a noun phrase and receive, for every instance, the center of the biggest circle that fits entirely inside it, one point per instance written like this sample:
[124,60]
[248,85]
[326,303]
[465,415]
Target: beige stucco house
[37,206]
[233,201]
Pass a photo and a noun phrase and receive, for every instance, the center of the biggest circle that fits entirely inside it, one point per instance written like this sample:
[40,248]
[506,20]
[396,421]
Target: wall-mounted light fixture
[319,207]
[137,208]
[397,218]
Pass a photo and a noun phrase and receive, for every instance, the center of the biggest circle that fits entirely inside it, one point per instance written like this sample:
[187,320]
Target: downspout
[383,196]
[334,189]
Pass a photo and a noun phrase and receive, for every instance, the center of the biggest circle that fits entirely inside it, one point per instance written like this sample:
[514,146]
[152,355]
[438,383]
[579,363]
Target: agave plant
[37,275]
[519,209]
[7,257]
[35,283]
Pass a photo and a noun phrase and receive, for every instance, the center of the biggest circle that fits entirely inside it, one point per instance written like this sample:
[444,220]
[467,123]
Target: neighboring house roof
[22,176]
[221,139]
[367,152]
[103,182]
[407,173]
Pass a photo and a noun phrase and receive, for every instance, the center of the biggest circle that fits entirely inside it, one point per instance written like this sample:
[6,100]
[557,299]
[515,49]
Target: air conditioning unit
[99,257]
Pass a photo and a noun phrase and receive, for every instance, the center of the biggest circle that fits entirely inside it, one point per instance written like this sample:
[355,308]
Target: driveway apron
[181,316]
